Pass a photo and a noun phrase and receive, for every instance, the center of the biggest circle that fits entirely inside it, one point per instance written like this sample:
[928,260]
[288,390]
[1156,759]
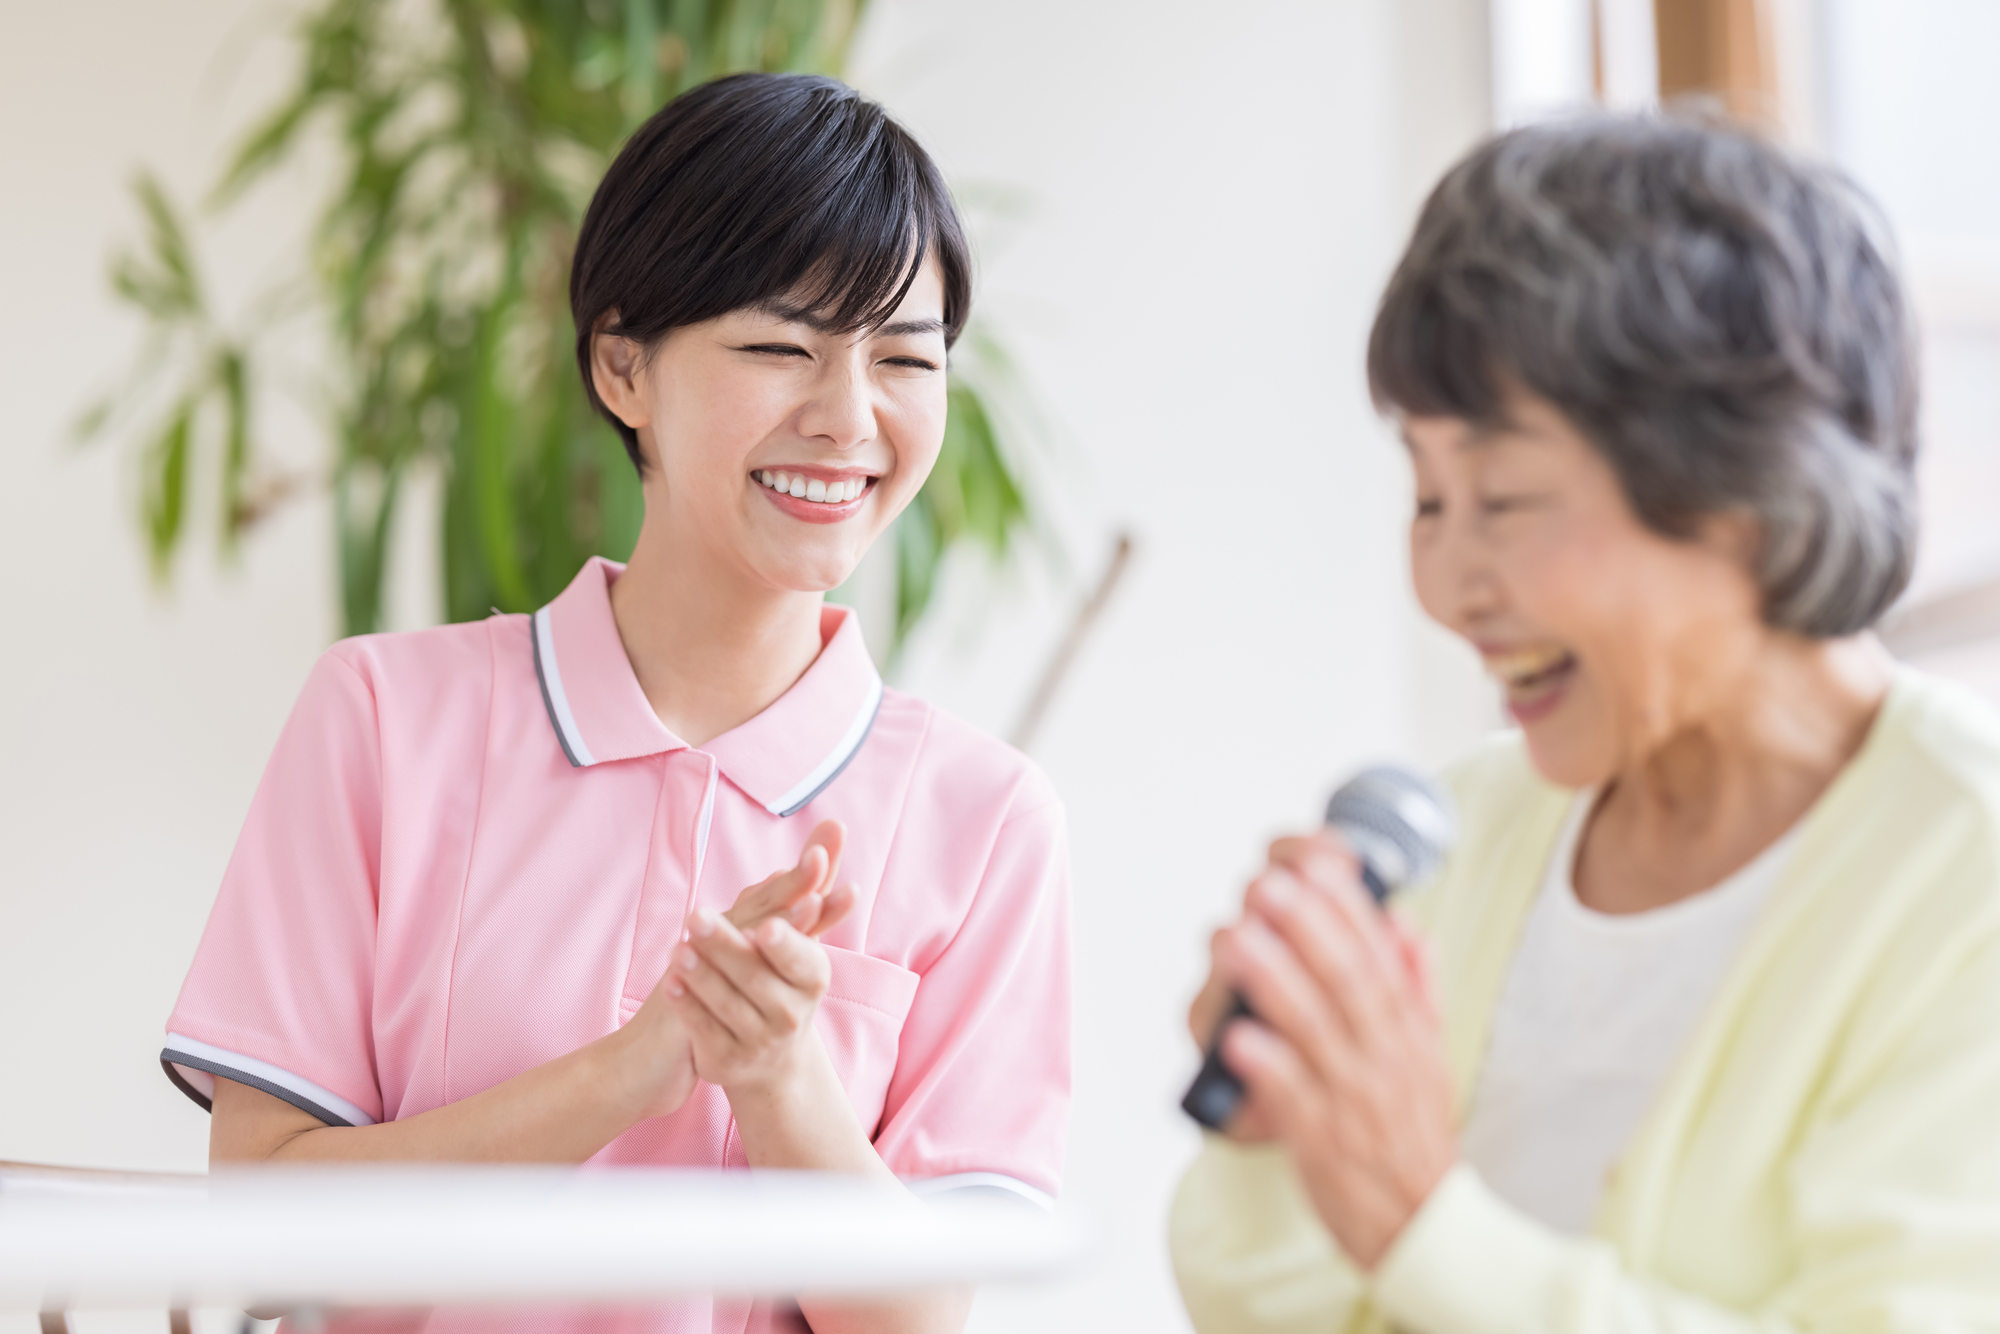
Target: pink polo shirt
[476,846]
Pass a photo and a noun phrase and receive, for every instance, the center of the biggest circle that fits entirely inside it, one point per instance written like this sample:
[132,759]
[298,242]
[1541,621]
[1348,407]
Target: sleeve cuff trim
[980,1181]
[1470,1263]
[190,1054]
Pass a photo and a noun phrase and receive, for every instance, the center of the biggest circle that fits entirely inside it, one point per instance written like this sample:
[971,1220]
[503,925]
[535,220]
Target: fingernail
[673,986]
[1278,890]
[687,959]
[803,910]
[770,932]
[703,924]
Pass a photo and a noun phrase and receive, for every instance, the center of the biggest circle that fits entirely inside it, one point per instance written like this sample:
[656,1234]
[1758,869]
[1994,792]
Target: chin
[814,576]
[1569,761]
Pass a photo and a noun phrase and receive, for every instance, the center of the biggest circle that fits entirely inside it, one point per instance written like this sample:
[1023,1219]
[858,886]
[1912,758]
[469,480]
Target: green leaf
[364,513]
[163,495]
[94,419]
[160,279]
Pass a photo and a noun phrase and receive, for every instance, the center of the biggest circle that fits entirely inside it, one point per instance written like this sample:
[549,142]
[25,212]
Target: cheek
[707,426]
[918,426]
[1624,611]
[1575,583]
[1428,577]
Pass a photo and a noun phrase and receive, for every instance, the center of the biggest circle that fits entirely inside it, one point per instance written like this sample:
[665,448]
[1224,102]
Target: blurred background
[1183,212]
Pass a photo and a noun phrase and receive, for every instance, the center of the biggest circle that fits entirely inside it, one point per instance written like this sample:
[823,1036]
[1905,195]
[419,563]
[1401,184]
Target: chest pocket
[861,1022]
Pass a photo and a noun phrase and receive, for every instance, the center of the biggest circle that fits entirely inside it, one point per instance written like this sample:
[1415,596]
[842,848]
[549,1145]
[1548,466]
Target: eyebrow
[906,328]
[820,324]
[1478,435]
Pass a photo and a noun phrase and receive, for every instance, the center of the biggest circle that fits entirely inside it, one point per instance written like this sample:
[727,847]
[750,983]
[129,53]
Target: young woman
[490,903]
[1706,1032]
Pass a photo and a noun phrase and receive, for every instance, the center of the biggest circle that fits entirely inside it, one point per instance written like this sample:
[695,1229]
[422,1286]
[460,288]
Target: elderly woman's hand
[1345,1060]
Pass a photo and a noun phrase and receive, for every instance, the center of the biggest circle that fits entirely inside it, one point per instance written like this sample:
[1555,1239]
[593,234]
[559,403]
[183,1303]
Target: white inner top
[1596,1009]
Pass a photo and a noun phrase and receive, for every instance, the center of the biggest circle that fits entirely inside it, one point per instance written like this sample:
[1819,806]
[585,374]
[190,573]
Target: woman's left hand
[748,1000]
[1346,1054]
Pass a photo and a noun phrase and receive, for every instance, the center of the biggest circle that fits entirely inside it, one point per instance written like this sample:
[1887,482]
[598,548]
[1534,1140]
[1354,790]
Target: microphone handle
[1216,1092]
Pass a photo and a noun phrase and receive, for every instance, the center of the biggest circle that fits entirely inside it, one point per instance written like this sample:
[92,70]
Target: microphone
[1399,825]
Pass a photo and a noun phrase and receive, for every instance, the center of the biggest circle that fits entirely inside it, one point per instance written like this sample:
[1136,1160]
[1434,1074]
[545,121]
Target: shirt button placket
[673,869]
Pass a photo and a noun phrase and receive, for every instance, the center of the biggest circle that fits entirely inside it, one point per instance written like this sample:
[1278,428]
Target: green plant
[471,133]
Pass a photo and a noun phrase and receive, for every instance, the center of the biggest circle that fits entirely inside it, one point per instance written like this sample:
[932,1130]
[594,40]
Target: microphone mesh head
[1391,811]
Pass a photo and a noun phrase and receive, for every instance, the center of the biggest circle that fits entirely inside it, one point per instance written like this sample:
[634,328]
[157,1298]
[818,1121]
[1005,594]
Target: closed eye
[775,349]
[914,363]
[1509,504]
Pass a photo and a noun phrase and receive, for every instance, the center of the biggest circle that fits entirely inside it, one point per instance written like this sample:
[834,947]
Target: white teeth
[1524,664]
[812,489]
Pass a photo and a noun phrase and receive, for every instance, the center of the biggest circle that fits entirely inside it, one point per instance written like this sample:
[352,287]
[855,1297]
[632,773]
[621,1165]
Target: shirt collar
[782,758]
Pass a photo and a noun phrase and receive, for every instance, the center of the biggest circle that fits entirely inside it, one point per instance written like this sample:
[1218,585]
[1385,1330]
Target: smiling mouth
[813,489]
[1529,673]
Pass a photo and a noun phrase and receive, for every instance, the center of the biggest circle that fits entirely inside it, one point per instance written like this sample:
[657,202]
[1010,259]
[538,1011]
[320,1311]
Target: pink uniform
[475,848]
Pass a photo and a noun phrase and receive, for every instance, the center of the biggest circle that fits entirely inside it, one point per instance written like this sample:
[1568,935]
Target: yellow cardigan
[1825,1154]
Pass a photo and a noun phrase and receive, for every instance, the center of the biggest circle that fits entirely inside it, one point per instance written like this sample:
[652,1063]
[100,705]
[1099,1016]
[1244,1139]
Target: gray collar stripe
[536,629]
[845,760]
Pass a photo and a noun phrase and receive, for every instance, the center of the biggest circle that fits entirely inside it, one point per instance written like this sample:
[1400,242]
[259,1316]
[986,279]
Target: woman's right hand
[651,1057]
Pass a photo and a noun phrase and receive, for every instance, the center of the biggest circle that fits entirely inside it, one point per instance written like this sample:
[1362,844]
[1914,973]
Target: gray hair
[1714,315]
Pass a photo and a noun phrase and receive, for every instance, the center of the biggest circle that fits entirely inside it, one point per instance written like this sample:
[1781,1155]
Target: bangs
[1432,356]
[839,225]
[851,259]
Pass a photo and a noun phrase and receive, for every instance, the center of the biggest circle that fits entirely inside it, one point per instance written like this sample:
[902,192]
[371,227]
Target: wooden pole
[1079,630]
[1720,50]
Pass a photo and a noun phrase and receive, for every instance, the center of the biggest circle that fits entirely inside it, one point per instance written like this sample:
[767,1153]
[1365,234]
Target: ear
[1737,535]
[615,366]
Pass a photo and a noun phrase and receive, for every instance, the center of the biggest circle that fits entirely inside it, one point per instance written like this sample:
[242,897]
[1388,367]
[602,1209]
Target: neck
[1730,781]
[711,645]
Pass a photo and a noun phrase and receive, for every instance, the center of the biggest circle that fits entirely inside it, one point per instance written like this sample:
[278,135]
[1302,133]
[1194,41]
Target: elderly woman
[1699,1029]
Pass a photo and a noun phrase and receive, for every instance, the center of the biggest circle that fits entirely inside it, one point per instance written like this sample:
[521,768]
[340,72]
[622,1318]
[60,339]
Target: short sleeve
[279,994]
[980,1096]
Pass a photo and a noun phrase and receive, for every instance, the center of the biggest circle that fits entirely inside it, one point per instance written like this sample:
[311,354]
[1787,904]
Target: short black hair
[757,187]
[1719,318]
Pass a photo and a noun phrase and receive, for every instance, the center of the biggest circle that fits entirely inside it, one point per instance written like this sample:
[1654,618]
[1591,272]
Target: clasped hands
[736,1004]
[1344,1062]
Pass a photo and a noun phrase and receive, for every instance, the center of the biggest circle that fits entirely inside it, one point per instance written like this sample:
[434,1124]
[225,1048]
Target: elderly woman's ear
[1736,534]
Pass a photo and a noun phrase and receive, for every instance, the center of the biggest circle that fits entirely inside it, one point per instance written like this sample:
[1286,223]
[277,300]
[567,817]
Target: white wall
[1215,195]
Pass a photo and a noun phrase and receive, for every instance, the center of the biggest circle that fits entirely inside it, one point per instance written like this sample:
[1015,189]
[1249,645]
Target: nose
[1454,575]
[841,411]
